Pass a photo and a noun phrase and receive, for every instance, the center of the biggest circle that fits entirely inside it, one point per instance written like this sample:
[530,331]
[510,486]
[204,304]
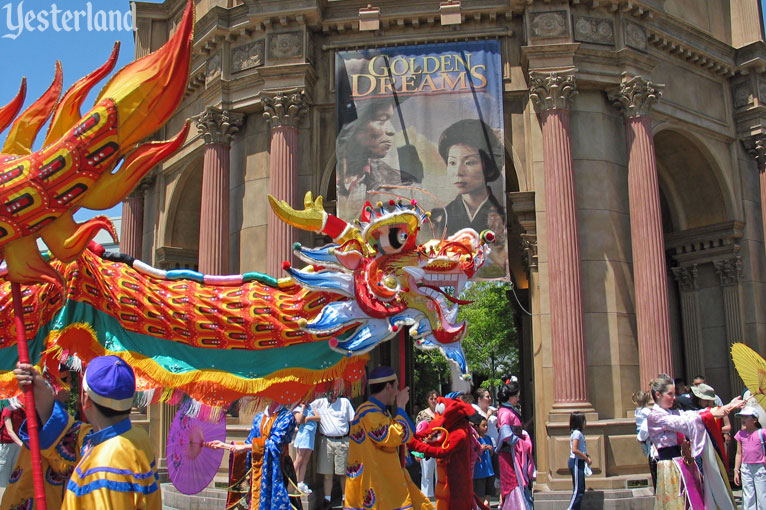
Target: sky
[31,49]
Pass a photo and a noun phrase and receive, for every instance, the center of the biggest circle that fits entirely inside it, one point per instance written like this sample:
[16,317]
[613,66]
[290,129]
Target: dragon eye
[402,236]
[440,408]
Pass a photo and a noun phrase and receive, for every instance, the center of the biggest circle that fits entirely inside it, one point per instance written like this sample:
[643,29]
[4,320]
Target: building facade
[635,138]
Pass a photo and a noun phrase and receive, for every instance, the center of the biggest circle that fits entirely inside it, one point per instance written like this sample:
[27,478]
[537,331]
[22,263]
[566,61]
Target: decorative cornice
[284,108]
[218,126]
[729,270]
[641,9]
[693,53]
[635,95]
[686,276]
[552,91]
[702,245]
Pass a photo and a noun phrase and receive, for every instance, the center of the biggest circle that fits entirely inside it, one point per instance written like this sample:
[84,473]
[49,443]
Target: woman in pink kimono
[690,473]
[517,469]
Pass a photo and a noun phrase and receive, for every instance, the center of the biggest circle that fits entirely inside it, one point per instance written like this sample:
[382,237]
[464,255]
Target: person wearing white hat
[750,462]
[107,463]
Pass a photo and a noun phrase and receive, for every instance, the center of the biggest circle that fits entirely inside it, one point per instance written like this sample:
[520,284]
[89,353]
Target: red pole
[29,400]
[402,383]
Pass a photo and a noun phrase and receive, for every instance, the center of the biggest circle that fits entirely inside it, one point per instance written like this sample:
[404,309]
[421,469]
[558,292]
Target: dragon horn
[314,218]
[148,91]
[68,110]
[25,128]
[9,111]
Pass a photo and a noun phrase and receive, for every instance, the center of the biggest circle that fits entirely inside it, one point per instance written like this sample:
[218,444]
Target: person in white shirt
[578,459]
[335,415]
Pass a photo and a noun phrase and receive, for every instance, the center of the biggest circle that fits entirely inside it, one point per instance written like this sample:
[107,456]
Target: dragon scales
[220,338]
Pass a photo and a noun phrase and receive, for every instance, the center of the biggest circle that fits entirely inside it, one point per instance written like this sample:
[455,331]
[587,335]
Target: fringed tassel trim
[213,388]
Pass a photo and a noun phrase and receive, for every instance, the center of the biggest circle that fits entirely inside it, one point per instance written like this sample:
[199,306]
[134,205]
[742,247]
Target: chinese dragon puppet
[215,338]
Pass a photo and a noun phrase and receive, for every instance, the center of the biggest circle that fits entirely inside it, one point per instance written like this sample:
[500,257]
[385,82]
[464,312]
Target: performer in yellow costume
[375,478]
[56,467]
[114,465]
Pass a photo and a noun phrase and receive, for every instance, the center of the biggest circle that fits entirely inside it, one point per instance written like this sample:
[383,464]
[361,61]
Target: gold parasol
[752,369]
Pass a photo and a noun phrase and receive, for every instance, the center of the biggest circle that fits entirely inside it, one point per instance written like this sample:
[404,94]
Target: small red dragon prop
[449,439]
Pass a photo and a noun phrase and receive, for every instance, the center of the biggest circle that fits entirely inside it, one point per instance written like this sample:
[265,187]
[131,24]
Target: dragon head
[391,280]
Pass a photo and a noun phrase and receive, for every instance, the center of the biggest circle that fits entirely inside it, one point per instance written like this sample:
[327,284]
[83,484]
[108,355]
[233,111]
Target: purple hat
[110,382]
[381,374]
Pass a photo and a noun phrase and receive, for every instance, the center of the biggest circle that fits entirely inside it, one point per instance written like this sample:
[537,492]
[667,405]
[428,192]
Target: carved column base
[560,412]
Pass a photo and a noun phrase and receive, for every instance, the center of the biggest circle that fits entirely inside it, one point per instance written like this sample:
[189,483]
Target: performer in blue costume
[261,473]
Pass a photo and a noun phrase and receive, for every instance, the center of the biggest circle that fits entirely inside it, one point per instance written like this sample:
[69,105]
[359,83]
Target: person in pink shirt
[750,462]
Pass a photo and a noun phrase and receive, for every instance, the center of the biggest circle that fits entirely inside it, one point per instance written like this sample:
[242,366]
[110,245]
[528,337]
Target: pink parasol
[191,466]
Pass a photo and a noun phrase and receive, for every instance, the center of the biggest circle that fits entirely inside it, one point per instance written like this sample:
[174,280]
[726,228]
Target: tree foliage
[491,338]
[491,334]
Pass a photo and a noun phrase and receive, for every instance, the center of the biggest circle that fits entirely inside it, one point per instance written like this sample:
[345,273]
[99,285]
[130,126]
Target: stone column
[635,97]
[283,111]
[729,272]
[218,127]
[690,317]
[132,223]
[758,149]
[551,93]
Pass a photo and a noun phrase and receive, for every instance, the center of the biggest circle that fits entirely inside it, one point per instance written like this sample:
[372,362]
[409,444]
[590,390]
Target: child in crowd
[483,474]
[578,458]
[304,443]
[750,462]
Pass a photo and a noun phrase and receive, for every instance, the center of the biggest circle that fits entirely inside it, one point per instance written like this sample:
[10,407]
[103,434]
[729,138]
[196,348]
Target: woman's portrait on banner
[425,122]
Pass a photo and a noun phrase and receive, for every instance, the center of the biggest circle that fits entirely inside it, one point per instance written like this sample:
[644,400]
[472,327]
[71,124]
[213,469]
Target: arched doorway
[702,245]
[180,244]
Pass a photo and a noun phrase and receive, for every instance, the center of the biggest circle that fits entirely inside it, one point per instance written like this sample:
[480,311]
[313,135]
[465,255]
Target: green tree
[490,343]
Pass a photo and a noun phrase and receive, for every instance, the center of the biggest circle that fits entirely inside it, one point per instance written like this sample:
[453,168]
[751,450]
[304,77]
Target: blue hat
[110,382]
[381,374]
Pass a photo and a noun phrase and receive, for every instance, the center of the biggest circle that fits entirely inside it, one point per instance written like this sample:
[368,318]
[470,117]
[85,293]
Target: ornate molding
[219,126]
[284,108]
[529,245]
[635,95]
[524,221]
[756,146]
[729,271]
[686,276]
[702,245]
[552,91]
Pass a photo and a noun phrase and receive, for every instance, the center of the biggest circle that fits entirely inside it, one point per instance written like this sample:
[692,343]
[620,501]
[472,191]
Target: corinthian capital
[729,271]
[635,95]
[552,91]
[218,126]
[284,108]
[686,277]
[756,146]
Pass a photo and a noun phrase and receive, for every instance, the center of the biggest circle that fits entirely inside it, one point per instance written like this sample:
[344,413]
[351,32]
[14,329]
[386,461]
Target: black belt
[669,452]
[335,437]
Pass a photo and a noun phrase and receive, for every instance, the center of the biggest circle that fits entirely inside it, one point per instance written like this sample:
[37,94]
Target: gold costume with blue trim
[61,441]
[375,478]
[113,469]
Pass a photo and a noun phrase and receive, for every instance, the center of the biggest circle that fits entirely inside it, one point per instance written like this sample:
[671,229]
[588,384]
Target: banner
[425,122]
